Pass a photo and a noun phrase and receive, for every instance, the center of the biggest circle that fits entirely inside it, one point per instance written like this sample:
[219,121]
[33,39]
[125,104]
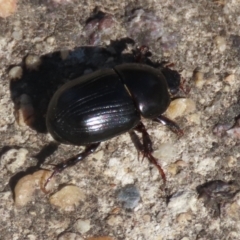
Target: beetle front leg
[146,147]
[73,160]
[170,123]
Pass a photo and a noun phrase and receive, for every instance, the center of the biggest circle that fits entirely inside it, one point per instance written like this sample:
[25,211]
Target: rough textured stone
[192,36]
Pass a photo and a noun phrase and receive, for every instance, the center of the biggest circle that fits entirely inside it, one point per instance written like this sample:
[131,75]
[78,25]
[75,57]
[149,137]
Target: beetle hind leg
[72,161]
[146,147]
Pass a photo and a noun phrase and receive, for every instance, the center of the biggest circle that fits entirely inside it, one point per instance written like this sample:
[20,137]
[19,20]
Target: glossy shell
[92,108]
[106,103]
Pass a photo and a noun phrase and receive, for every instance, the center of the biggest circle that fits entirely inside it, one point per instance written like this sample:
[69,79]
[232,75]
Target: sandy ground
[202,39]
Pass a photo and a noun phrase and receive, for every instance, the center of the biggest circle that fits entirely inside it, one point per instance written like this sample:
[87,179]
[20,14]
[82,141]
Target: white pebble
[7,7]
[198,78]
[221,43]
[114,220]
[24,191]
[194,118]
[174,168]
[82,226]
[25,114]
[230,79]
[51,40]
[180,107]
[98,155]
[26,186]
[14,159]
[184,218]
[232,161]
[67,198]
[17,35]
[31,237]
[33,62]
[15,72]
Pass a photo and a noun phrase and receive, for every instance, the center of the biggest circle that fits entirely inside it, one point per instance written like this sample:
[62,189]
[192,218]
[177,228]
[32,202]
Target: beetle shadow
[41,77]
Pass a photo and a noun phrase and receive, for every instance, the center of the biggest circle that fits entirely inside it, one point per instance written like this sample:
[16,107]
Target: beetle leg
[73,160]
[147,143]
[141,54]
[146,147]
[137,143]
[171,124]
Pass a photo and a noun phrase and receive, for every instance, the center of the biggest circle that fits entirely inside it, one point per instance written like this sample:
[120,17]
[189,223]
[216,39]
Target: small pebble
[15,73]
[100,29]
[234,132]
[7,8]
[67,198]
[226,88]
[198,78]
[116,210]
[144,26]
[24,191]
[114,220]
[98,155]
[33,62]
[129,196]
[184,218]
[221,43]
[194,118]
[231,161]
[17,35]
[25,187]
[25,114]
[82,226]
[15,159]
[230,79]
[146,218]
[176,167]
[180,107]
[51,40]
[31,237]
[233,211]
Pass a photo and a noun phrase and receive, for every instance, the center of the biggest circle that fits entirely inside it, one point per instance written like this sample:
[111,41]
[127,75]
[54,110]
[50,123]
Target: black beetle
[107,103]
